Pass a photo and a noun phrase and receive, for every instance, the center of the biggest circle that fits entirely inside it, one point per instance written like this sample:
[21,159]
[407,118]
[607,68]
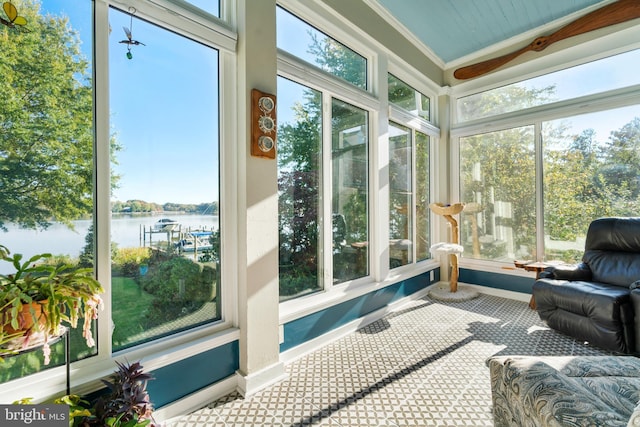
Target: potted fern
[37,298]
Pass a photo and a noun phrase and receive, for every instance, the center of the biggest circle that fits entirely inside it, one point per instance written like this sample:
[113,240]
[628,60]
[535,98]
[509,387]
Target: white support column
[258,294]
[443,162]
[380,179]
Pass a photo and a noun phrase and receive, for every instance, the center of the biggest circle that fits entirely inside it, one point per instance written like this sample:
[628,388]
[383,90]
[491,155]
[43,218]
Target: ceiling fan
[613,13]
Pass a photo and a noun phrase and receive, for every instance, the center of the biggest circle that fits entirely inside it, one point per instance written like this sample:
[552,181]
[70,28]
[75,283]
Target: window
[591,170]
[147,170]
[400,195]
[307,43]
[209,6]
[598,76]
[532,190]
[165,225]
[406,97]
[326,162]
[409,145]
[350,193]
[323,162]
[497,186]
[422,198]
[299,189]
[46,150]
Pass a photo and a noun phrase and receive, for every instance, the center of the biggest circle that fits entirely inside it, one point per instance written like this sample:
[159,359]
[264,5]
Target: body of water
[126,231]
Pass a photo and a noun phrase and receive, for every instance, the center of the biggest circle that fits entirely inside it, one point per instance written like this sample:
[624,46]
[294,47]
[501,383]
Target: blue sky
[611,73]
[163,103]
[164,108]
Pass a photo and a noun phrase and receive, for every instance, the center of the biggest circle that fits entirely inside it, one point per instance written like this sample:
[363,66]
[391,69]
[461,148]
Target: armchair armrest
[635,301]
[567,272]
[527,391]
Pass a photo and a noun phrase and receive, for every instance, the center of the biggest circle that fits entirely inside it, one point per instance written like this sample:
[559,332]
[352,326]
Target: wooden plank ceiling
[453,29]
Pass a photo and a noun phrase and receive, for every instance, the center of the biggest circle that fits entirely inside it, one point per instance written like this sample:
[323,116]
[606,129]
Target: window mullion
[414,197]
[539,192]
[326,197]
[103,173]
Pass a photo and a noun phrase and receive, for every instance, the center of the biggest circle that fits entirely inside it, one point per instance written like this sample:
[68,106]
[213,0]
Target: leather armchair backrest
[614,234]
[612,250]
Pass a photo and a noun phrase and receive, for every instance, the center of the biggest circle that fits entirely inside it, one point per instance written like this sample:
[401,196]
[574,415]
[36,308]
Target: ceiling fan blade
[611,14]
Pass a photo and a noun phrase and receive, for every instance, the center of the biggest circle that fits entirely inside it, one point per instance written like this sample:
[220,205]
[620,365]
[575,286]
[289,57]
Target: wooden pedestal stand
[447,211]
[536,267]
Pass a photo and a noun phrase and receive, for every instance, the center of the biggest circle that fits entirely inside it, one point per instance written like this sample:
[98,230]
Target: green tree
[86,258]
[583,178]
[339,60]
[497,175]
[573,188]
[504,100]
[46,122]
[505,188]
[622,159]
[299,145]
[591,179]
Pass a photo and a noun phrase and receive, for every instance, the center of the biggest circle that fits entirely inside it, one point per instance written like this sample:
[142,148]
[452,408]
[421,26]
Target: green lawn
[129,307]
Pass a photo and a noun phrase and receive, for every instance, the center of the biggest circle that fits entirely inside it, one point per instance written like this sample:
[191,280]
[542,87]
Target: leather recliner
[596,300]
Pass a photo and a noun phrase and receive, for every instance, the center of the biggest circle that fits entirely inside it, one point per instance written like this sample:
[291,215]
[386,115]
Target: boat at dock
[195,241]
[166,224]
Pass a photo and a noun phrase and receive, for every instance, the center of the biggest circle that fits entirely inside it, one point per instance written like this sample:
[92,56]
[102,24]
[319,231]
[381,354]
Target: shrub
[60,260]
[128,260]
[179,286]
[297,282]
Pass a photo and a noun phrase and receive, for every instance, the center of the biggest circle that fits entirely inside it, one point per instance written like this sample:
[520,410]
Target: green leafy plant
[38,297]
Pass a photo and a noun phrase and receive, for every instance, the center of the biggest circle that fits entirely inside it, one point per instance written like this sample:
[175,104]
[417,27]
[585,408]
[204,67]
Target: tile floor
[423,365]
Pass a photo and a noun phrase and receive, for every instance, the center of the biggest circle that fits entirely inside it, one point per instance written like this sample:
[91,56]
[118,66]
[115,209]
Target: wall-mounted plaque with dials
[263,124]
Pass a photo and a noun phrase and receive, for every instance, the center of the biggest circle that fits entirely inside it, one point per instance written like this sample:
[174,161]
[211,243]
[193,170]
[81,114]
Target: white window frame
[86,373]
[535,116]
[375,101]
[416,124]
[582,52]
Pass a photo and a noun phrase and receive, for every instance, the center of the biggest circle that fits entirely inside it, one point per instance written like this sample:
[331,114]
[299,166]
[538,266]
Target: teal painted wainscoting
[314,325]
[496,280]
[182,378]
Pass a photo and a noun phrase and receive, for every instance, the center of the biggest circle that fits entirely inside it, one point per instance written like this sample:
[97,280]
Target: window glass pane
[497,185]
[422,196]
[350,200]
[591,170]
[307,43]
[209,6]
[299,178]
[404,96]
[46,150]
[605,74]
[165,225]
[400,196]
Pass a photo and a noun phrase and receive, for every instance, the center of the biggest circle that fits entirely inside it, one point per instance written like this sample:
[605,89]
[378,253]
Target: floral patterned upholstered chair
[565,391]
